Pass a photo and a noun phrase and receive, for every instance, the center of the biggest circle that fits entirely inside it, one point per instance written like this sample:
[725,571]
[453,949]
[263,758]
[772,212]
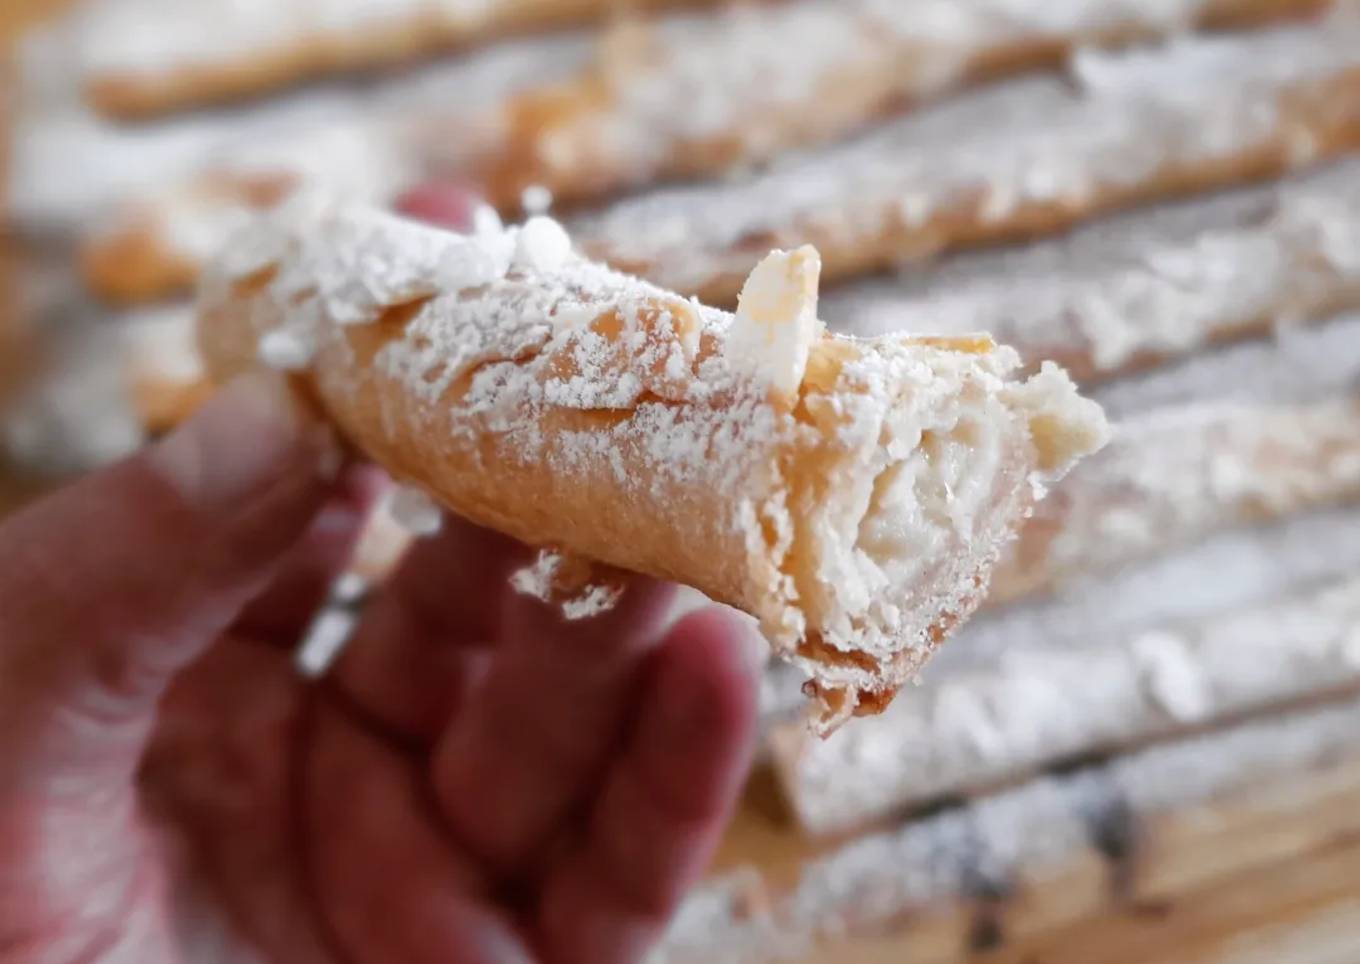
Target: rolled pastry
[1175,476]
[145,57]
[696,96]
[1144,287]
[1153,827]
[147,242]
[851,494]
[1020,159]
[970,732]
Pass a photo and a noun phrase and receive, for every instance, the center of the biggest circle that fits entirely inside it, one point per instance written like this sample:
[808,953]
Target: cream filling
[894,544]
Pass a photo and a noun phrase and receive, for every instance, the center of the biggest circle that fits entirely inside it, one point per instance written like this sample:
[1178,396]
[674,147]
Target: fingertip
[250,436]
[448,203]
[704,706]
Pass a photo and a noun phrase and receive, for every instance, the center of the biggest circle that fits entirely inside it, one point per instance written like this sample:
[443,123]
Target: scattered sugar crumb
[485,220]
[1172,679]
[566,581]
[285,350]
[479,260]
[542,245]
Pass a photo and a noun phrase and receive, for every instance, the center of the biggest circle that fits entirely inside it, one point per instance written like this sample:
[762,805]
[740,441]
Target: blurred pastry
[1021,159]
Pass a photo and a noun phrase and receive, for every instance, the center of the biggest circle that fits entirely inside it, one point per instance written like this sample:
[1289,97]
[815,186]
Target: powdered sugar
[758,78]
[114,38]
[285,350]
[78,414]
[542,245]
[569,583]
[536,199]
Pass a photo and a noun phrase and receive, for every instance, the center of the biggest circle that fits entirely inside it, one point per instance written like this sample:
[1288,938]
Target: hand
[477,780]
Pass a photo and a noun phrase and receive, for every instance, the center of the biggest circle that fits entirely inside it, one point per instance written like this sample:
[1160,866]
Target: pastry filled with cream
[852,494]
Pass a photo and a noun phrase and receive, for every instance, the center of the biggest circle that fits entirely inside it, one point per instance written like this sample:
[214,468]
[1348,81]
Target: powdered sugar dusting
[569,583]
[542,245]
[113,39]
[285,350]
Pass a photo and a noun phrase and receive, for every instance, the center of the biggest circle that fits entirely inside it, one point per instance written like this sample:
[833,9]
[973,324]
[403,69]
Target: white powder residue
[1178,474]
[595,601]
[1297,365]
[1013,693]
[359,140]
[286,350]
[1173,680]
[542,245]
[480,260]
[113,38]
[566,582]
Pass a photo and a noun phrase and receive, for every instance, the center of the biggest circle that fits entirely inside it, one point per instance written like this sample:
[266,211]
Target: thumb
[112,585]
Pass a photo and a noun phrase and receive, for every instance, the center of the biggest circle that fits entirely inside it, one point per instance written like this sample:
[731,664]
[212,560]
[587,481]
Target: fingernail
[252,434]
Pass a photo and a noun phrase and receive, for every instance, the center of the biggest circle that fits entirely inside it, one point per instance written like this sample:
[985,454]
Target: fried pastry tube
[685,96]
[1017,160]
[140,58]
[851,494]
[698,96]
